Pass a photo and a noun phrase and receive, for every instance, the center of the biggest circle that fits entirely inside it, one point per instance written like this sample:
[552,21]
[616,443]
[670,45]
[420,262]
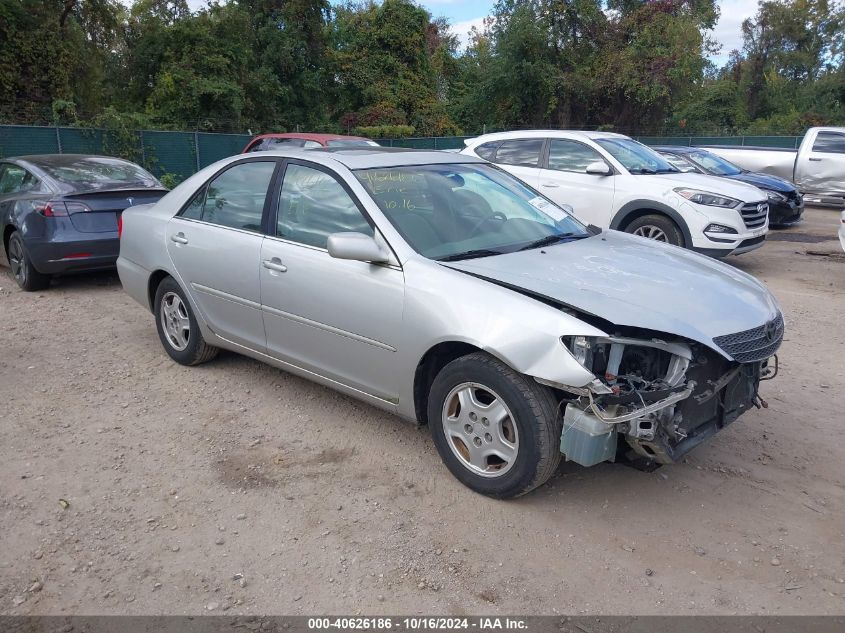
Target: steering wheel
[496,215]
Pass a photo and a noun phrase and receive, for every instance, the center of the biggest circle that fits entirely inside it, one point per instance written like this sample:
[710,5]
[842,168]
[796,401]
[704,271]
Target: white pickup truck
[817,168]
[614,182]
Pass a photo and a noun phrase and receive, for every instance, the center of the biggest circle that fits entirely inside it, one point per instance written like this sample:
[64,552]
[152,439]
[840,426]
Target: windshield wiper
[642,170]
[552,239]
[480,252]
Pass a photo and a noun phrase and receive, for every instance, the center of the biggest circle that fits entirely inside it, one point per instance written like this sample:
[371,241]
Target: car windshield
[462,211]
[713,164]
[351,142]
[636,157]
[99,172]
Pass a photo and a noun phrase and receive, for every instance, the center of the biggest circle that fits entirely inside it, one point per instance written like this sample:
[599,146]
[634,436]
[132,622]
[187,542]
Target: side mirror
[599,168]
[357,247]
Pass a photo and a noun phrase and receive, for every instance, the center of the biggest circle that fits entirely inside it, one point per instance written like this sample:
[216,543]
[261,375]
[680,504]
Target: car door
[338,318]
[215,245]
[14,181]
[521,157]
[822,169]
[565,180]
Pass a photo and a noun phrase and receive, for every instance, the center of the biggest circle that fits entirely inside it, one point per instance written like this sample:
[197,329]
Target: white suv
[613,181]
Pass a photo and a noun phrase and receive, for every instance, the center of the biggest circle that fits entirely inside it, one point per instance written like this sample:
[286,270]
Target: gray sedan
[440,288]
[59,213]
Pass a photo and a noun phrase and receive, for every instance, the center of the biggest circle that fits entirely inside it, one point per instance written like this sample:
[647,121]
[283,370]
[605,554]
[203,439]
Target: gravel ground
[130,484]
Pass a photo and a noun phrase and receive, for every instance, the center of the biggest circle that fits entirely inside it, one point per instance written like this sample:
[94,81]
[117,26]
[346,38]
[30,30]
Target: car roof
[310,136]
[59,160]
[373,157]
[676,149]
[524,134]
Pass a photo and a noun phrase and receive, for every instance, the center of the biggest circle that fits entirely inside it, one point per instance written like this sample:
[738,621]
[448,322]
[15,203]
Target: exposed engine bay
[664,397]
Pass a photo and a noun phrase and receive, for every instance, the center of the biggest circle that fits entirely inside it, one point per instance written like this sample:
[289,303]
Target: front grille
[754,214]
[753,345]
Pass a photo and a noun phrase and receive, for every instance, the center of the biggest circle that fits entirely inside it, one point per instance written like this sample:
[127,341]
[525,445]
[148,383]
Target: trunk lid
[102,208]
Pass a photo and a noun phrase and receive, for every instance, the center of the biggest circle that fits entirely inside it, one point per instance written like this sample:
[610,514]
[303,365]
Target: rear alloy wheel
[496,430]
[24,272]
[658,228]
[177,327]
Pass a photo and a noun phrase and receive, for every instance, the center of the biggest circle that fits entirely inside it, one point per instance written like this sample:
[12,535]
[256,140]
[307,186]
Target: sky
[464,14]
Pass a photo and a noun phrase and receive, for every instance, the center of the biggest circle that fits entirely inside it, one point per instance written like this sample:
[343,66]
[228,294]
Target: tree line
[390,68]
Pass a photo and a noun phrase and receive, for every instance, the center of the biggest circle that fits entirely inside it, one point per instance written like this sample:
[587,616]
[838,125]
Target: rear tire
[177,327]
[24,272]
[658,228]
[508,454]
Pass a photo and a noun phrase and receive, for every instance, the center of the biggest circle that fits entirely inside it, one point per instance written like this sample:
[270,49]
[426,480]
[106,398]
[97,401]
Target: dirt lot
[180,480]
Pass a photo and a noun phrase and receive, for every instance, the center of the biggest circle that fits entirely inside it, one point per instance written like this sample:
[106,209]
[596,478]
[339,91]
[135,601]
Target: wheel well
[429,366]
[155,279]
[639,213]
[7,235]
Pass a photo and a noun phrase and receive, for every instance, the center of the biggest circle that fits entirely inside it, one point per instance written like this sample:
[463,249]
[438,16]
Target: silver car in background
[440,288]
[817,168]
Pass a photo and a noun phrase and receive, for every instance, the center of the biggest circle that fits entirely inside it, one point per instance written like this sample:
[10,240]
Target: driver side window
[313,205]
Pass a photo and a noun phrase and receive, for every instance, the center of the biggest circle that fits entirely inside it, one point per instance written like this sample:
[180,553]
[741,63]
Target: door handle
[551,185]
[275,264]
[179,238]
[815,160]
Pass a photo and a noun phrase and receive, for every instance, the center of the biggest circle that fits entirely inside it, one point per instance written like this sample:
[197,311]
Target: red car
[306,140]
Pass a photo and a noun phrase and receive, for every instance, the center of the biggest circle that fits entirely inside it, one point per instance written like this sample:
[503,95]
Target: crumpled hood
[631,281]
[712,184]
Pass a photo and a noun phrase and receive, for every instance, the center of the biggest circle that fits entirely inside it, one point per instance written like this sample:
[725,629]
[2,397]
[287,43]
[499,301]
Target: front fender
[446,305]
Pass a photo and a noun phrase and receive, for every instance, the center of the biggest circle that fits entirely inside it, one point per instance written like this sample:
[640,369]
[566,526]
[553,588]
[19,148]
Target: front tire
[177,327]
[24,272]
[497,431]
[658,228]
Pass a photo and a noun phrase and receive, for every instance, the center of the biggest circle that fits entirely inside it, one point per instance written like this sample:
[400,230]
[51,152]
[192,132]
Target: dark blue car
[59,213]
[786,204]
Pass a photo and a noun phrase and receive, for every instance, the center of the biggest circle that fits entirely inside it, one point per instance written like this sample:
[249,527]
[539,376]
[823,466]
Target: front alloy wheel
[497,430]
[480,429]
[658,228]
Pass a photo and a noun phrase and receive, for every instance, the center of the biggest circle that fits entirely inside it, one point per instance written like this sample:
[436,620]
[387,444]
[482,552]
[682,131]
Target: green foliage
[385,131]
[170,180]
[387,66]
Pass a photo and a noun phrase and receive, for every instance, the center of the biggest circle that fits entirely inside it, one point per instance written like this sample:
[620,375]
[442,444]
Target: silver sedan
[440,288]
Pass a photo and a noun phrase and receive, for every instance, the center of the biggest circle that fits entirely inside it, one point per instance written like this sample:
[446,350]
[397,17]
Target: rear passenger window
[14,179]
[565,155]
[829,143]
[236,197]
[194,209]
[313,205]
[486,150]
[523,152]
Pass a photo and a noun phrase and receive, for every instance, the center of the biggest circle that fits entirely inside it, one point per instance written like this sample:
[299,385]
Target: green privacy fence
[181,154]
[787,142]
[177,153]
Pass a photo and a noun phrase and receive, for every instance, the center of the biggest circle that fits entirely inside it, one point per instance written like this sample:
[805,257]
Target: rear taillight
[57,209]
[51,209]
[119,226]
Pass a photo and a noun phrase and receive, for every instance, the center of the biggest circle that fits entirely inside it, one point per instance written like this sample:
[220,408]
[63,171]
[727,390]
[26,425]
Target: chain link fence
[180,154]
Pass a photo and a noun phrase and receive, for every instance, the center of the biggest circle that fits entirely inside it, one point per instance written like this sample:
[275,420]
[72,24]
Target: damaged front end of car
[664,396]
